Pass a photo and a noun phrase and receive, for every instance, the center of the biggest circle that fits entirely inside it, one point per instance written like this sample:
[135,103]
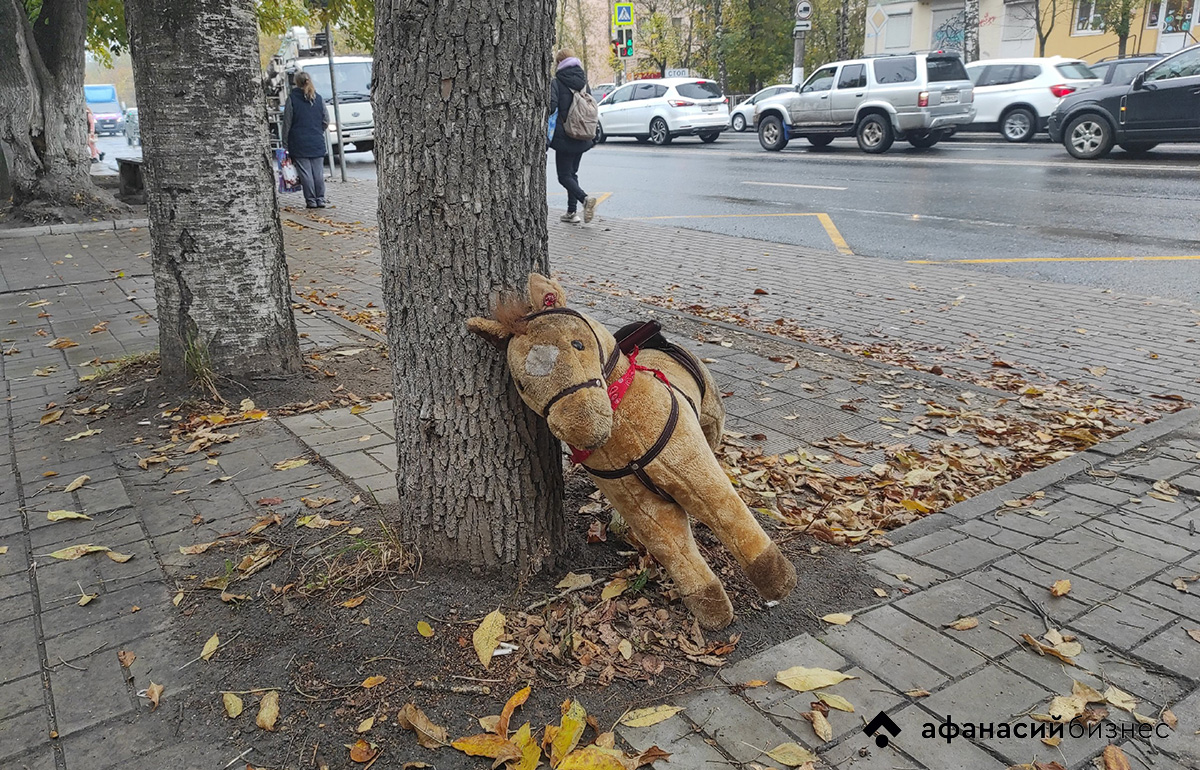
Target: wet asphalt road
[970,198]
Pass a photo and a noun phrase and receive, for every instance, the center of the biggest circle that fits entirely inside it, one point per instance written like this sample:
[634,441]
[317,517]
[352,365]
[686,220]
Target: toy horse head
[560,359]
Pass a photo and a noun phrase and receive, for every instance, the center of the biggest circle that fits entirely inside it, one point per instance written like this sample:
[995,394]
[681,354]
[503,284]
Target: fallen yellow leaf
[154,693]
[287,465]
[268,711]
[70,553]
[365,725]
[792,755]
[119,558]
[77,483]
[487,636]
[233,705]
[834,701]
[964,624]
[210,647]
[838,618]
[570,730]
[646,717]
[63,515]
[614,589]
[373,681]
[424,629]
[1060,588]
[804,679]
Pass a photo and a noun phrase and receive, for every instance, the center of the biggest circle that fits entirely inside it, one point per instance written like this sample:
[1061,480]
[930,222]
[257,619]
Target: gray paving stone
[20,735]
[1189,482]
[923,545]
[802,650]
[741,732]
[1123,622]
[1097,492]
[18,648]
[1159,468]
[1174,650]
[1121,568]
[356,465]
[890,564]
[1184,742]
[867,694]
[935,647]
[1039,527]
[86,698]
[20,695]
[1161,593]
[996,535]
[937,754]
[946,602]
[1071,549]
[1033,574]
[963,556]
[687,749]
[993,694]
[883,659]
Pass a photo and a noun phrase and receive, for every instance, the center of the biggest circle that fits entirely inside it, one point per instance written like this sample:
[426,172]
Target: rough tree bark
[220,277]
[460,104]
[971,31]
[43,119]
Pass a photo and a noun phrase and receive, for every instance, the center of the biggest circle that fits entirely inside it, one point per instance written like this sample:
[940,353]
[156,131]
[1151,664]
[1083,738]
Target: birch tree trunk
[220,277]
[971,31]
[43,119]
[460,107]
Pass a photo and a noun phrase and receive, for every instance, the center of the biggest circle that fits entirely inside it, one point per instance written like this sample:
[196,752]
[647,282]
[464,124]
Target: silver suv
[919,98]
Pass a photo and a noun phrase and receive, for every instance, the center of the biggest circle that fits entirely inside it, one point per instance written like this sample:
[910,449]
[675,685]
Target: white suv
[662,109]
[1017,96]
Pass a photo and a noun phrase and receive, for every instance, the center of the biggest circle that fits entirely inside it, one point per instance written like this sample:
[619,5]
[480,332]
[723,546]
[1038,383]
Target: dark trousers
[312,178]
[567,164]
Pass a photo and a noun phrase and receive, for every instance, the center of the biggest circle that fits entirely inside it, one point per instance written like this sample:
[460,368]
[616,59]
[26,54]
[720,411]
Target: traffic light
[616,48]
[624,44]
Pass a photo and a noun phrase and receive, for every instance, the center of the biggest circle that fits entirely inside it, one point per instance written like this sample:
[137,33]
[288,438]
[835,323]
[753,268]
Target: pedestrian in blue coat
[304,124]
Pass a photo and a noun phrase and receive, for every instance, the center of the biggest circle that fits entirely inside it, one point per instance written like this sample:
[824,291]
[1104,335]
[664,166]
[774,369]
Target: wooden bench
[132,180]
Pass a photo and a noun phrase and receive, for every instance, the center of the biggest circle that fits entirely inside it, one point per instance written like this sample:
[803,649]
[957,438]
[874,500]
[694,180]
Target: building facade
[1009,28]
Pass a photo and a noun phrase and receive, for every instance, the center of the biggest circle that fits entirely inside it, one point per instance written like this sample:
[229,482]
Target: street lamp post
[337,113]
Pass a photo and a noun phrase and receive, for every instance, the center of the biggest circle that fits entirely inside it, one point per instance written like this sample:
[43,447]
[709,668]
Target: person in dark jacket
[568,78]
[304,125]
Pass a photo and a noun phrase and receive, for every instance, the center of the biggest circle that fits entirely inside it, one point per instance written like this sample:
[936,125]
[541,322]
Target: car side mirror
[1139,81]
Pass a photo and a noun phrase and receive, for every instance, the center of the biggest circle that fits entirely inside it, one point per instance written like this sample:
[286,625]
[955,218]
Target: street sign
[677,73]
[623,14]
[802,26]
[804,10]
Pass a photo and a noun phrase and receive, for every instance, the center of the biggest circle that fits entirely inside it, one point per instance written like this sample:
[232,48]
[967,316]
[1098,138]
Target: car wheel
[820,141]
[875,134]
[1088,137]
[1018,125]
[739,122]
[924,141]
[659,133]
[1138,148]
[601,137]
[710,137]
[770,133]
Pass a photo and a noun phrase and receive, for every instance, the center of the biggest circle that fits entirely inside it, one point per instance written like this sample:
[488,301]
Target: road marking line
[831,230]
[1050,259]
[804,186]
[603,197]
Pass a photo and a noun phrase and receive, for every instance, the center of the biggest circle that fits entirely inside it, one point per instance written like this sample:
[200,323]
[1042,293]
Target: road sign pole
[798,57]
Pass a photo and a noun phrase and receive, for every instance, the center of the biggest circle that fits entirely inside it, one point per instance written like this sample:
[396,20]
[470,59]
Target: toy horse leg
[664,529]
[714,502]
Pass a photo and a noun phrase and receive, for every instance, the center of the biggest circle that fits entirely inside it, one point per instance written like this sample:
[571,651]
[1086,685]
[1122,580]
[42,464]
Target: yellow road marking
[831,230]
[1181,258]
[603,197]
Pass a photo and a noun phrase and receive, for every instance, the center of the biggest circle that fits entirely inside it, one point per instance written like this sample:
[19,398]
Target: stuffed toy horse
[643,423]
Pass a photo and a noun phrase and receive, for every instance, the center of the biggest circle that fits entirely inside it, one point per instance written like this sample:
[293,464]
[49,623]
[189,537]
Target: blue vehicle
[106,109]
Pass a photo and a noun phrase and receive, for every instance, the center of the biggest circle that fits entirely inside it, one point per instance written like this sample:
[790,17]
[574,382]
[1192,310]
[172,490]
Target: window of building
[1177,16]
[897,31]
[1087,18]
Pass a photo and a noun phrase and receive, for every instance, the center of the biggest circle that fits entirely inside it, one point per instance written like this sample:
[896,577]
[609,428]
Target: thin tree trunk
[43,120]
[220,276]
[719,37]
[582,33]
[843,30]
[461,104]
[971,30]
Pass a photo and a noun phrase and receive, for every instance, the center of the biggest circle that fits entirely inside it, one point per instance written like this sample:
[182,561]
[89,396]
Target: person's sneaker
[571,217]
[589,208]
[322,205]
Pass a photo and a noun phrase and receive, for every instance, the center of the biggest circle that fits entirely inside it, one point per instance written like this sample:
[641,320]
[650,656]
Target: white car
[1017,96]
[743,114]
[661,109]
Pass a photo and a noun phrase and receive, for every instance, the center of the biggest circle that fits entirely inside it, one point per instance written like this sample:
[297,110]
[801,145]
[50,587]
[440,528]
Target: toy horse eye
[577,345]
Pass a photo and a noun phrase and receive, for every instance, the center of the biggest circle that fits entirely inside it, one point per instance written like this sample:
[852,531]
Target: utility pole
[337,114]
[804,11]
[719,29]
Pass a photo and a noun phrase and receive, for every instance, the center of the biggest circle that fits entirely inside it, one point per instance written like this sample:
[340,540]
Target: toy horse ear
[545,292]
[492,331]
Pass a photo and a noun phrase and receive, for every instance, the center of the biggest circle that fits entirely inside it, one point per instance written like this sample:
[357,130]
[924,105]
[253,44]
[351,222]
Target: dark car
[1162,104]
[1121,72]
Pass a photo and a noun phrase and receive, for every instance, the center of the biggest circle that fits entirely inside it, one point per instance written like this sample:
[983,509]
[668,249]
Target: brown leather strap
[592,383]
[638,466]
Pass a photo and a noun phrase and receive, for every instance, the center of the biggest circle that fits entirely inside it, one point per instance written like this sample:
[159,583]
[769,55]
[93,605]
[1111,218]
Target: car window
[1075,69]
[644,91]
[1124,73]
[900,69]
[974,74]
[701,89]
[821,80]
[1185,65]
[1100,70]
[622,94]
[999,74]
[943,69]
[660,91]
[853,76]
[1028,72]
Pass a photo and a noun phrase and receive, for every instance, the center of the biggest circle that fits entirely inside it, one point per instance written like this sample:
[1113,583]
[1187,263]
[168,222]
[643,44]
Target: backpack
[583,117]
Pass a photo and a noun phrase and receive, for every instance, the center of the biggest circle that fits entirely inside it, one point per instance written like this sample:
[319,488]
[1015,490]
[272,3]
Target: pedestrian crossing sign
[623,14]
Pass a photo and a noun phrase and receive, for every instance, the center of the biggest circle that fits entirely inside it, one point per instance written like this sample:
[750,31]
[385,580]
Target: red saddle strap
[616,394]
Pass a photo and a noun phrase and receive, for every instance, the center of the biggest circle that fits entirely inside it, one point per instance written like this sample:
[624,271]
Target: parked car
[603,90]
[1162,104]
[661,109]
[919,98]
[743,114]
[1016,96]
[1121,72]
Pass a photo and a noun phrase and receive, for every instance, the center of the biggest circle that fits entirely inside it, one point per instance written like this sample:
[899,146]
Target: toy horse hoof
[772,574]
[710,606]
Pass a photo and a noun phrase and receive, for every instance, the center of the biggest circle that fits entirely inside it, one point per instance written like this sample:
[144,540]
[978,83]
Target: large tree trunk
[220,277]
[460,104]
[43,119]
